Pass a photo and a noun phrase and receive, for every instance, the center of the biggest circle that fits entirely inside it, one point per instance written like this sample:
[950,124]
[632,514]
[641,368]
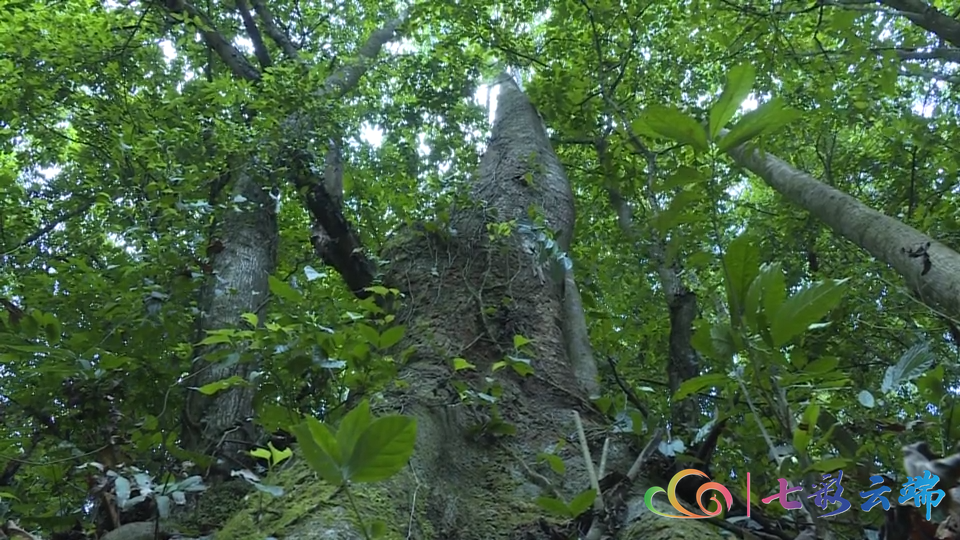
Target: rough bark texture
[238,285]
[931,269]
[249,236]
[467,295]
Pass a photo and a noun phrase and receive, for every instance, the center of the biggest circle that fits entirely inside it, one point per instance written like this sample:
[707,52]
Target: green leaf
[276,456]
[378,290]
[462,363]
[251,319]
[222,384]
[683,176]
[765,119]
[739,83]
[698,384]
[377,529]
[764,297]
[742,264]
[315,441]
[582,502]
[261,453]
[519,341]
[384,448]
[824,364]
[51,328]
[674,124]
[352,427]
[912,364]
[391,336]
[215,339]
[801,439]
[369,334]
[556,464]
[554,506]
[805,308]
[284,290]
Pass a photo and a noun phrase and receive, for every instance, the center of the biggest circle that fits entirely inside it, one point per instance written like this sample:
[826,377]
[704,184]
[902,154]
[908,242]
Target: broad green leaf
[276,455]
[765,119]
[801,439]
[391,336]
[519,341]
[251,319]
[805,308]
[912,364]
[683,176]
[674,124]
[582,502]
[764,297]
[378,290]
[824,364]
[384,448]
[698,384]
[742,265]
[311,434]
[215,339]
[222,384]
[352,427]
[369,334]
[739,83]
[554,506]
[556,464]
[261,453]
[377,529]
[284,290]
[774,287]
[462,363]
[931,384]
[52,329]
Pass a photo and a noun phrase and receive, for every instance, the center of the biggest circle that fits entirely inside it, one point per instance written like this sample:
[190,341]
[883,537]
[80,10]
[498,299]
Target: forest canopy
[212,224]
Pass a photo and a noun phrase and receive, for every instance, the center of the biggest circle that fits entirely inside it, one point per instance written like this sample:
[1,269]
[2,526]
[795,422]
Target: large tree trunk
[931,269]
[463,483]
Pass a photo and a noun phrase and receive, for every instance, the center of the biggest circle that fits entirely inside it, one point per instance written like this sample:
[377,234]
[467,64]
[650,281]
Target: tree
[206,253]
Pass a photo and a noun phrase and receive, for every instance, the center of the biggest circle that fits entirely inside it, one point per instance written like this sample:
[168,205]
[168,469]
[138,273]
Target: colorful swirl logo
[672,496]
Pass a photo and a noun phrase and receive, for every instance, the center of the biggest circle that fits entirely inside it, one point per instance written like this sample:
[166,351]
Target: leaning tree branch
[259,47]
[345,252]
[273,30]
[946,54]
[33,237]
[230,55]
[929,18]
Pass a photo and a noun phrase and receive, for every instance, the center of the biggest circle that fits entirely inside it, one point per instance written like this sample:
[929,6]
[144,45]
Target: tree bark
[239,285]
[249,235]
[467,295]
[931,269]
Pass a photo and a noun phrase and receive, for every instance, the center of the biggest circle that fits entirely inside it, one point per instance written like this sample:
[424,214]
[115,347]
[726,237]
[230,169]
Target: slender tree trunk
[931,269]
[248,236]
[220,424]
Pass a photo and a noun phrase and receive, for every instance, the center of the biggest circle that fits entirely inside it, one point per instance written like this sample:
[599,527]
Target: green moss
[306,498]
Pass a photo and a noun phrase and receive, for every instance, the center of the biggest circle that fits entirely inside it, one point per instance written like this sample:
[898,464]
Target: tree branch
[233,58]
[272,30]
[259,47]
[929,18]
[33,237]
